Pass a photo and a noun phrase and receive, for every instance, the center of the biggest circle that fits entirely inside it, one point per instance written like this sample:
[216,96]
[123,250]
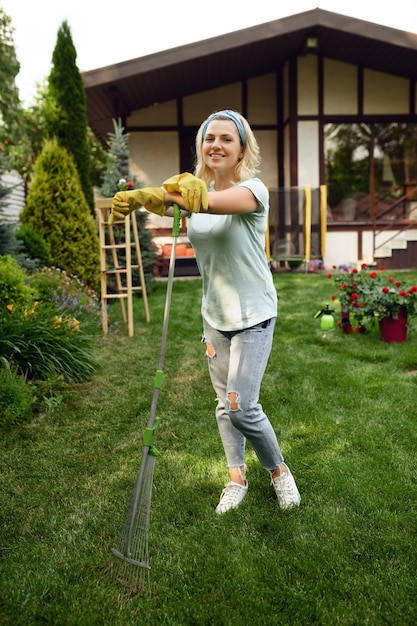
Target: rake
[129,561]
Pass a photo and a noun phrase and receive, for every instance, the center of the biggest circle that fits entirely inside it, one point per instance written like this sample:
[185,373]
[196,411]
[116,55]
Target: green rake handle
[149,448]
[160,371]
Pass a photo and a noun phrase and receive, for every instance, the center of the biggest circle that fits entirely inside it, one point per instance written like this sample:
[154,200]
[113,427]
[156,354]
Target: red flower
[373,274]
[398,283]
[354,296]
[385,289]
[391,279]
[402,293]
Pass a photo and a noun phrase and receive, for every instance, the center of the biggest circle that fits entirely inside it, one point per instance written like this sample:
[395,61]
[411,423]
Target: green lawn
[344,408]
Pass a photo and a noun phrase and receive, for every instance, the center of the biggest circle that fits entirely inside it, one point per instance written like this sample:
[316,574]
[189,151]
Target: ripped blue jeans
[237,362]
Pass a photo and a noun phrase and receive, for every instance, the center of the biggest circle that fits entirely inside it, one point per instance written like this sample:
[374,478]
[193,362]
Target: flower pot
[394,330]
[345,323]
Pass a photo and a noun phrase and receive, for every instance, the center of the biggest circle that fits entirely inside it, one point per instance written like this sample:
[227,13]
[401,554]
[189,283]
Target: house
[332,102]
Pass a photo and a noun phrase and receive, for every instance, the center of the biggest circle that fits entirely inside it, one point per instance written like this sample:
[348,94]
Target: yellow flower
[75,324]
[9,307]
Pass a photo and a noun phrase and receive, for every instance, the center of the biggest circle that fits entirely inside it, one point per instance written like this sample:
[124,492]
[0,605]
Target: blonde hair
[246,168]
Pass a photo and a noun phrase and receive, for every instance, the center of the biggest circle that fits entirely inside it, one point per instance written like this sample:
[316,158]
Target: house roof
[117,90]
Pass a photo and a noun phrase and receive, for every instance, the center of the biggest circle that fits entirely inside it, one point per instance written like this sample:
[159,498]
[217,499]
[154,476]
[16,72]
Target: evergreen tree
[66,115]
[117,166]
[13,135]
[57,209]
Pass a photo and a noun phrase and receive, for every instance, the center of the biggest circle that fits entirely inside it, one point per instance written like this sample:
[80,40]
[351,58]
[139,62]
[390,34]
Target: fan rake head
[129,564]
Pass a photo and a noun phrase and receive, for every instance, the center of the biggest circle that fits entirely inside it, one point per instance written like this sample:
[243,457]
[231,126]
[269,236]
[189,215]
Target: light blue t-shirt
[238,290]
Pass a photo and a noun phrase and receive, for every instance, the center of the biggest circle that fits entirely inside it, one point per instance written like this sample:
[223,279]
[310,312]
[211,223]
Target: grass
[344,410]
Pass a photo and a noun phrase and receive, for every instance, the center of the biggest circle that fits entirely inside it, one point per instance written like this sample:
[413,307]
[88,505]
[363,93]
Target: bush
[70,296]
[34,245]
[40,344]
[57,209]
[15,291]
[15,398]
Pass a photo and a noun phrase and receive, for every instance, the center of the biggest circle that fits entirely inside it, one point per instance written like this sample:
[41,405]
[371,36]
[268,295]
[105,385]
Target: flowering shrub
[38,343]
[351,285]
[53,333]
[370,294]
[71,297]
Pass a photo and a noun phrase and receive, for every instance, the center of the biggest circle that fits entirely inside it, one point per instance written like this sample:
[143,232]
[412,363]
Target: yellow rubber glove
[124,202]
[193,191]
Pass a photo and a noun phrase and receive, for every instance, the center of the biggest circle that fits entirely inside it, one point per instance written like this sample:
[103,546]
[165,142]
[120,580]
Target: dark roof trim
[237,39]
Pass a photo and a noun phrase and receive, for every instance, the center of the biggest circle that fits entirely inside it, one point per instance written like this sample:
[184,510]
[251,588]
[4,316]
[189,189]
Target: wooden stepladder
[116,260]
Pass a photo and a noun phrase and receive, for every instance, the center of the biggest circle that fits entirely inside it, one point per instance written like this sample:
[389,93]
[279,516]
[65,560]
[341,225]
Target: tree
[13,136]
[117,165]
[66,115]
[57,209]
[34,121]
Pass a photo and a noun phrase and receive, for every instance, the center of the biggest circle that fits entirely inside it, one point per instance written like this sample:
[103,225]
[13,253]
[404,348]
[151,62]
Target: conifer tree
[66,115]
[117,166]
[13,135]
[57,209]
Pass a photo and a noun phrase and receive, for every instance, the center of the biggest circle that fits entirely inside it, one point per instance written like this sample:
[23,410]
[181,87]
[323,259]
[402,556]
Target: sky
[105,33]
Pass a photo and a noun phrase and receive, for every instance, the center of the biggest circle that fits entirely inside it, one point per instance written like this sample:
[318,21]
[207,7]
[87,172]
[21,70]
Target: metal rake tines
[130,556]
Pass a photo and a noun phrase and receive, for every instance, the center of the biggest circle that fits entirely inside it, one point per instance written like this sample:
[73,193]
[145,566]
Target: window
[371,171]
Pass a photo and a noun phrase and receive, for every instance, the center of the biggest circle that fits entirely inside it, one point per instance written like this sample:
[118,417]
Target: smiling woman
[239,305]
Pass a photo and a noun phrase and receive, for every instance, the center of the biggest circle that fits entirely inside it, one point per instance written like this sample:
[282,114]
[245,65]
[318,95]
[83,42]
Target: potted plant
[369,296]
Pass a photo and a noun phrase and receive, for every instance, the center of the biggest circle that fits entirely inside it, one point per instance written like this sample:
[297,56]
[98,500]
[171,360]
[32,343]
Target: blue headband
[232,116]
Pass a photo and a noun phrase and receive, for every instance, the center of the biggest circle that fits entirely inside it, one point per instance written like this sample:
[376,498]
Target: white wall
[342,246]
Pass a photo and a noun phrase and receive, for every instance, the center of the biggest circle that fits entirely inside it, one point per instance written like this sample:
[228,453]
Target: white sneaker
[231,496]
[286,490]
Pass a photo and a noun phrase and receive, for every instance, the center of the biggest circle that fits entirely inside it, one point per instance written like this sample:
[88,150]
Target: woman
[239,305]
[227,229]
